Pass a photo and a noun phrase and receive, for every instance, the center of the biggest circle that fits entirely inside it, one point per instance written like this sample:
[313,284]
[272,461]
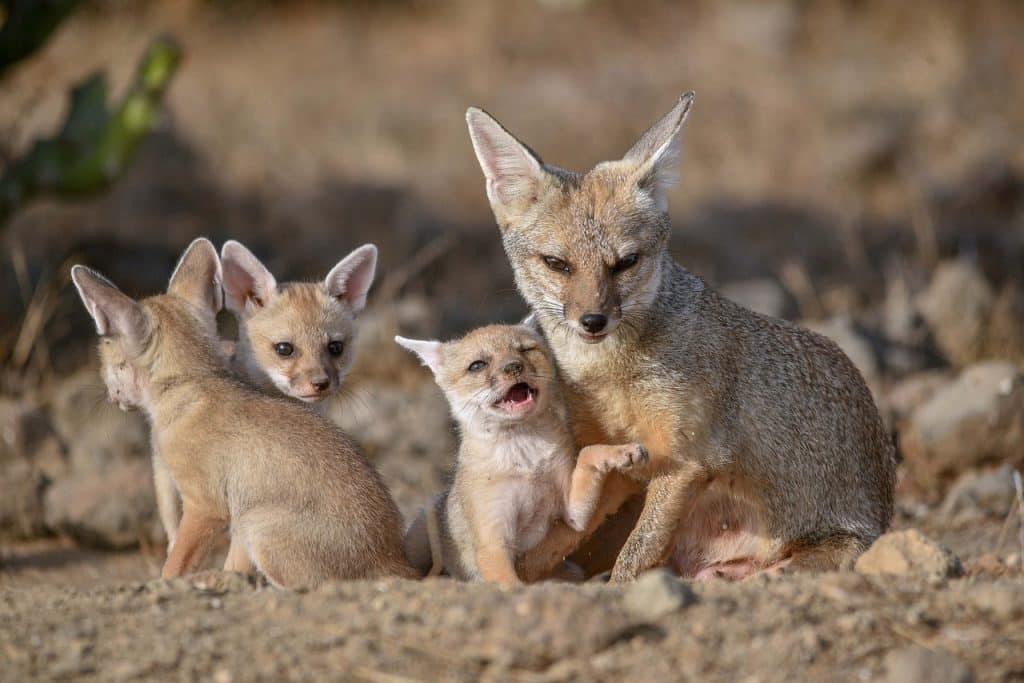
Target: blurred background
[853,165]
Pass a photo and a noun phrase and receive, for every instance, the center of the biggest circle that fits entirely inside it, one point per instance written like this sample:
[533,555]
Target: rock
[841,330]
[31,455]
[1003,600]
[98,434]
[957,306]
[909,553]
[27,434]
[980,494]
[976,419]
[765,296]
[655,594]
[916,664]
[21,501]
[905,396]
[111,509]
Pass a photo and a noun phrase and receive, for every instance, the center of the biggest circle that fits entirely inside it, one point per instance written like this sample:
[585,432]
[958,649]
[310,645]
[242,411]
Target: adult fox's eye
[477,366]
[284,349]
[558,264]
[625,263]
[335,348]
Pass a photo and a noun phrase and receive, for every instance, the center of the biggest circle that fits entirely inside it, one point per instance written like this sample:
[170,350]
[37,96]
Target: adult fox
[766,448]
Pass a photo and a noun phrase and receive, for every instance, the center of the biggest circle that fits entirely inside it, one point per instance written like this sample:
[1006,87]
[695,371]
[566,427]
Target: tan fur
[302,504]
[764,441]
[517,477]
[308,316]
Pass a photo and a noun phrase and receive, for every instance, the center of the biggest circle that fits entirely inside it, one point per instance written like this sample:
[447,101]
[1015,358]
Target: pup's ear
[656,154]
[198,278]
[514,173]
[248,285]
[430,352]
[350,280]
[115,313]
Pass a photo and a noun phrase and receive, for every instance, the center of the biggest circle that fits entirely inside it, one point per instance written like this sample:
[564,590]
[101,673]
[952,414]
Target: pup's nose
[593,322]
[321,384]
[513,367]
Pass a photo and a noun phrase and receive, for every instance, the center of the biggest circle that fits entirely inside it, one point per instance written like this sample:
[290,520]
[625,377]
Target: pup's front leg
[196,535]
[651,540]
[592,467]
[168,503]
[495,564]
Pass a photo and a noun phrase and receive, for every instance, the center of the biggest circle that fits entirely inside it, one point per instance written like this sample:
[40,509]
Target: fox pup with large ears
[303,506]
[296,337]
[517,478]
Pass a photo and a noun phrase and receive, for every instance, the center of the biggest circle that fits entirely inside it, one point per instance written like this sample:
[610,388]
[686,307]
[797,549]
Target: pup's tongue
[518,393]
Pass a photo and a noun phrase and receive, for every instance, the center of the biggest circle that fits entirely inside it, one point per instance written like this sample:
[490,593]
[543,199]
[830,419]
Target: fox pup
[517,472]
[766,447]
[302,504]
[296,338]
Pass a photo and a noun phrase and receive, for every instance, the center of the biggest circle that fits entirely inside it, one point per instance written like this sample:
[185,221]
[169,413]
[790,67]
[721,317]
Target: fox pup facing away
[766,447]
[302,504]
[517,473]
[296,338]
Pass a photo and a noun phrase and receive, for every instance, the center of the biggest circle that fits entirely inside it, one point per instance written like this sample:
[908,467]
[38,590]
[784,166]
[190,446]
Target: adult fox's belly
[724,532]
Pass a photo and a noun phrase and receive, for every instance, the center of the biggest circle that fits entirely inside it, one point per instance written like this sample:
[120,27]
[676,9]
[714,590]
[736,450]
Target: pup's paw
[628,457]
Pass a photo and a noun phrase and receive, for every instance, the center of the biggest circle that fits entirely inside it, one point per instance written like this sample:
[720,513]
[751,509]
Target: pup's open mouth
[518,399]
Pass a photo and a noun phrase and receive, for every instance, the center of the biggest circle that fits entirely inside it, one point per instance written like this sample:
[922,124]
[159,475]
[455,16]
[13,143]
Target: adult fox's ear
[351,279]
[655,155]
[514,173]
[115,313]
[198,278]
[430,352]
[248,285]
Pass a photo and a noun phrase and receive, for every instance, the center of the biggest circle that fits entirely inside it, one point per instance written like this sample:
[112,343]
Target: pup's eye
[625,263]
[284,349]
[477,366]
[335,348]
[557,264]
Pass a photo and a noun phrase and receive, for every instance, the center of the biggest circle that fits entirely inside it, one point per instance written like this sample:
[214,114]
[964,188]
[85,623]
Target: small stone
[909,553]
[656,594]
[969,422]
[916,664]
[1003,601]
[980,494]
[957,307]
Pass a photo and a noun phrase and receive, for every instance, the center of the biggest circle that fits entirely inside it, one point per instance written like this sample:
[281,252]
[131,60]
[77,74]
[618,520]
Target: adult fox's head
[587,249]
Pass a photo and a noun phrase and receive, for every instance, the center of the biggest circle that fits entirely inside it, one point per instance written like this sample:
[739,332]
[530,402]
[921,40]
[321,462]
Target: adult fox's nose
[593,322]
[513,367]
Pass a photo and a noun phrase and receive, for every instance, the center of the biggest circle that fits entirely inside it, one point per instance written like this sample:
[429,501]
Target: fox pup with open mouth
[517,477]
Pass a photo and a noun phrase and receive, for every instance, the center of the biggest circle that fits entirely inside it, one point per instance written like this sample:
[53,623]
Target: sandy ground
[837,150]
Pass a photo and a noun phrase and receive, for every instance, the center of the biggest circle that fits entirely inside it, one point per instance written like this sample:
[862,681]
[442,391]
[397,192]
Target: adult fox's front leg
[651,540]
